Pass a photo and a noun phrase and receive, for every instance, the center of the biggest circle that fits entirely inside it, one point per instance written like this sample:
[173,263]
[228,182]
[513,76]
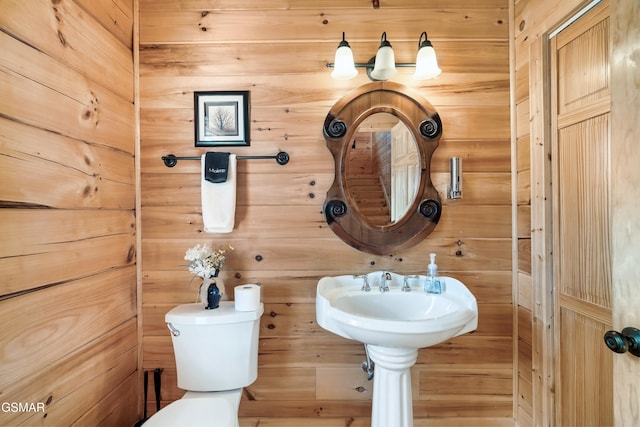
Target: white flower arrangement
[204,261]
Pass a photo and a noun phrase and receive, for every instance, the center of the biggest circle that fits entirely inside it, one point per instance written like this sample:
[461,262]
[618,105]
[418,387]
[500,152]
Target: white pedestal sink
[394,325]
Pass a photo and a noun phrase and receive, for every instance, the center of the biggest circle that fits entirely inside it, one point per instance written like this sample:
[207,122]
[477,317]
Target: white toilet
[216,356]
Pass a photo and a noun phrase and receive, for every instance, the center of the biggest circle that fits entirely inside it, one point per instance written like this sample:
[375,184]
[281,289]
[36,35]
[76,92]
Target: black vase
[213,296]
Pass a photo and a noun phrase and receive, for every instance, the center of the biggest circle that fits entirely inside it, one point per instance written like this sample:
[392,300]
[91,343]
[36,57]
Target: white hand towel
[219,200]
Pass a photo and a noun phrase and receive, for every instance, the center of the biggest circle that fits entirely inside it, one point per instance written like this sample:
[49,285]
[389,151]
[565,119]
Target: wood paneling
[94,370]
[541,242]
[67,34]
[114,248]
[48,89]
[221,25]
[366,422]
[199,5]
[115,15]
[281,239]
[489,58]
[95,177]
[67,213]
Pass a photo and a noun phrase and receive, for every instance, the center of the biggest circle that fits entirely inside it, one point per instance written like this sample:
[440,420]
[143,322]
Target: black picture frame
[221,118]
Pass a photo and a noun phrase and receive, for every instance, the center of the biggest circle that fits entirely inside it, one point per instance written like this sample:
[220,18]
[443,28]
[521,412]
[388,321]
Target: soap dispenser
[433,284]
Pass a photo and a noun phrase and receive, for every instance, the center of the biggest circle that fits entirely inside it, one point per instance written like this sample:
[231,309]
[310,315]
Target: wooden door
[582,272]
[405,170]
[625,201]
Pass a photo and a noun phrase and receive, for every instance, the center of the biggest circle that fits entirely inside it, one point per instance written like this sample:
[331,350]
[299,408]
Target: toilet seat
[195,412]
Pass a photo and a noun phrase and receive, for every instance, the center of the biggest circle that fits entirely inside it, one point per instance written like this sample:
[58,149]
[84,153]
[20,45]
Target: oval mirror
[382,169]
[382,138]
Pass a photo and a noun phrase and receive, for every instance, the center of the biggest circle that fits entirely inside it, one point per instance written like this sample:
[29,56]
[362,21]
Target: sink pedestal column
[392,403]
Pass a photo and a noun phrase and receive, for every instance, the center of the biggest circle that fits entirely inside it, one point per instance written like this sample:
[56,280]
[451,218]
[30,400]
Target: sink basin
[393,325]
[395,318]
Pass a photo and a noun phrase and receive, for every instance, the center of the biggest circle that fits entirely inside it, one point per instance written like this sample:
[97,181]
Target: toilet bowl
[216,356]
[211,411]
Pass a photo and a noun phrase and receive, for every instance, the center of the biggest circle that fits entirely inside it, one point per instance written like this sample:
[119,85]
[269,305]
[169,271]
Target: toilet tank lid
[195,314]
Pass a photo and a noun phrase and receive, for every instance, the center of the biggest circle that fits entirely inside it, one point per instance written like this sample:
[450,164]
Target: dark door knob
[621,342]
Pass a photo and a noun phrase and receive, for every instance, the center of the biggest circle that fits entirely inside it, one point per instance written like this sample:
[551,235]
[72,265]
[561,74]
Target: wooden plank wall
[533,20]
[67,218]
[278,49]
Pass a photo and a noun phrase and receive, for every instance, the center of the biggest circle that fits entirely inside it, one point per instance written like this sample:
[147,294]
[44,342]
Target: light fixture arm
[421,43]
[371,64]
[344,41]
[383,40]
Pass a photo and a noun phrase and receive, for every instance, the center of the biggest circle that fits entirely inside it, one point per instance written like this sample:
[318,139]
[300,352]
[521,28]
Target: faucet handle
[405,284]
[365,284]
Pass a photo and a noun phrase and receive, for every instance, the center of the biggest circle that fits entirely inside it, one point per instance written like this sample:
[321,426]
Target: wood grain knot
[132,253]
[61,38]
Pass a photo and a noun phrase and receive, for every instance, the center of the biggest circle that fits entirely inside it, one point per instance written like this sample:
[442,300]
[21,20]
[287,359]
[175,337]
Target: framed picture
[221,118]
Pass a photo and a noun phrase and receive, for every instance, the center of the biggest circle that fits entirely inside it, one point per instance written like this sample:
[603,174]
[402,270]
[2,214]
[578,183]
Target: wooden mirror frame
[339,129]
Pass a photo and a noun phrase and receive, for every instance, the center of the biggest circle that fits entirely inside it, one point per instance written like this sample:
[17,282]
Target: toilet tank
[215,350]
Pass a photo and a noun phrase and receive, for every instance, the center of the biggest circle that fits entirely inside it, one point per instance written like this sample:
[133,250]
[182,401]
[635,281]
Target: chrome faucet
[385,279]
[365,284]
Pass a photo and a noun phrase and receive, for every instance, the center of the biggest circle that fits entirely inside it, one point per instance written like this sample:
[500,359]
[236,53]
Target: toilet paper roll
[247,297]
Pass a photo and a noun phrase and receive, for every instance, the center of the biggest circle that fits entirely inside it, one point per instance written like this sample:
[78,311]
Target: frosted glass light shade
[426,64]
[426,61]
[343,65]
[385,66]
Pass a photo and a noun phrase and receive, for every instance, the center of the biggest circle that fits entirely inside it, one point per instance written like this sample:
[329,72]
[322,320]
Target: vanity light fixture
[384,62]
[344,68]
[426,61]
[383,66]
[455,178]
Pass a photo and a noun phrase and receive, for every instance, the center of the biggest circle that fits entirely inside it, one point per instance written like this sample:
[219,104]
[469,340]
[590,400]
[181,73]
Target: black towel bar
[170,160]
